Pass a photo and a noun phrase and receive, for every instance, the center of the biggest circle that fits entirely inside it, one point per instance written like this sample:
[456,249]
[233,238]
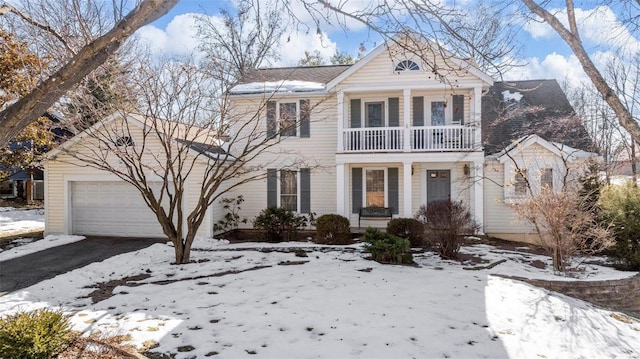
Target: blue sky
[546,55]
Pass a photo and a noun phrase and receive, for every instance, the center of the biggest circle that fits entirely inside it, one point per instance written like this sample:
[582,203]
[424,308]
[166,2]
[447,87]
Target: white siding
[316,152]
[65,169]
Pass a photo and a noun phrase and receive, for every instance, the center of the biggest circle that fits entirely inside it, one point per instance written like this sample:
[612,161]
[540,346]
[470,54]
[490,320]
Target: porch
[410,139]
[404,186]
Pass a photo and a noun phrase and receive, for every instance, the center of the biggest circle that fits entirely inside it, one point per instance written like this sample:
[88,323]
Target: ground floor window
[374,188]
[289,190]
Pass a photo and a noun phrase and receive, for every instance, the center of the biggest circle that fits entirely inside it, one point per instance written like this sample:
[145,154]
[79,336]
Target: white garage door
[111,209]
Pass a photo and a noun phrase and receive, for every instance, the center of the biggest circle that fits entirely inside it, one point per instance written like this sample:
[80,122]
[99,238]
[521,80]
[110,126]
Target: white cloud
[553,66]
[179,37]
[599,26]
[294,45]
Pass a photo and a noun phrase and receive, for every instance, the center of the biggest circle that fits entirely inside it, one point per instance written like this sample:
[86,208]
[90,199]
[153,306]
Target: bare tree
[30,106]
[242,41]
[183,134]
[565,225]
[571,36]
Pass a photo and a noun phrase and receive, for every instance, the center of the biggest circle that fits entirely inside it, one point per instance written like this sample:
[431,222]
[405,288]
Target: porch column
[478,193]
[340,121]
[406,93]
[477,109]
[407,190]
[341,199]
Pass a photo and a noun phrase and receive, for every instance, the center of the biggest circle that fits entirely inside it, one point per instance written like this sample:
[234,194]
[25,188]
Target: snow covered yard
[261,301]
[14,221]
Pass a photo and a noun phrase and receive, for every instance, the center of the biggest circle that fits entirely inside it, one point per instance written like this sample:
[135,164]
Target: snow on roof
[277,86]
[508,95]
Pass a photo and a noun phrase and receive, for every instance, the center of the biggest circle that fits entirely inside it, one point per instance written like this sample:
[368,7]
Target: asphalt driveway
[28,270]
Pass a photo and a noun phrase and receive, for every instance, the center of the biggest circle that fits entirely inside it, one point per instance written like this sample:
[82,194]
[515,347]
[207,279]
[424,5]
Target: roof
[557,148]
[513,109]
[211,151]
[288,79]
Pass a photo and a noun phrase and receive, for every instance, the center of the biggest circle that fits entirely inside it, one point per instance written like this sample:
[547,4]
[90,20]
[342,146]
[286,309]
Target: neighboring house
[382,133]
[28,184]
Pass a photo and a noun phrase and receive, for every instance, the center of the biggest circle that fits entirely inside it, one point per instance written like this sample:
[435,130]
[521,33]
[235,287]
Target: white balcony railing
[409,139]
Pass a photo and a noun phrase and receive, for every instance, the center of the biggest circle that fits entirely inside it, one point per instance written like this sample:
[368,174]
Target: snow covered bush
[445,224]
[407,228]
[387,248]
[279,224]
[620,206]
[43,333]
[333,229]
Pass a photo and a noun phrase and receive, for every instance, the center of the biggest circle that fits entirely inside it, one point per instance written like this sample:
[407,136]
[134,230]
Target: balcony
[410,139]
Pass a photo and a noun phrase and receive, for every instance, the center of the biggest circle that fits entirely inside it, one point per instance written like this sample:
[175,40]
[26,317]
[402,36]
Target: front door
[438,185]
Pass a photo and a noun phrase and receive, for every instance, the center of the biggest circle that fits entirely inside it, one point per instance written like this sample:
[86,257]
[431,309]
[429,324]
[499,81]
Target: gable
[383,67]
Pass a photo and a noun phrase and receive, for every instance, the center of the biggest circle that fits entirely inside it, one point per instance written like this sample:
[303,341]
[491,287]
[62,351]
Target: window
[374,114]
[289,190]
[124,141]
[520,182]
[546,179]
[407,65]
[6,188]
[438,113]
[374,188]
[288,116]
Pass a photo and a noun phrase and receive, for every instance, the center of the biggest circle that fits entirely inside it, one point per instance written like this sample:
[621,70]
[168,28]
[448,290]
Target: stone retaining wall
[621,294]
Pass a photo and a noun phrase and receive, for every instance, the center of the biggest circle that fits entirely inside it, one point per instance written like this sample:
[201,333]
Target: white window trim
[535,180]
[407,71]
[448,111]
[296,127]
[298,189]
[364,184]
[363,109]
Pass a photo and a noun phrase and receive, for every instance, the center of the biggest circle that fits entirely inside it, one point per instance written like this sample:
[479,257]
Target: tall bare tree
[570,33]
[89,57]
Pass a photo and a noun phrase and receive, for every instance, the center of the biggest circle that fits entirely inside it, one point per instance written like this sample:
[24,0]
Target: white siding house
[382,133]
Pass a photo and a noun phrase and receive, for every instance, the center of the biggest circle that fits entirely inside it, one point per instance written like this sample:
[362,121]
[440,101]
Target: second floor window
[288,116]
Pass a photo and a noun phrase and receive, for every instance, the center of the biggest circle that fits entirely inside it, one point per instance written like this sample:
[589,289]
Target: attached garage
[110,208]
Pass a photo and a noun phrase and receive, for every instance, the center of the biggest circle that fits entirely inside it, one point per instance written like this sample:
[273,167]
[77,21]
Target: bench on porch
[374,213]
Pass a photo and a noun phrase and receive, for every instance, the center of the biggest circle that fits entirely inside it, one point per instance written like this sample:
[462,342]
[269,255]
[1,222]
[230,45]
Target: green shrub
[387,248]
[407,228]
[42,333]
[620,206]
[279,224]
[333,229]
[445,223]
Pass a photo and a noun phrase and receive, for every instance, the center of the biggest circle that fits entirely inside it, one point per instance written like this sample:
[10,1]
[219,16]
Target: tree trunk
[30,107]
[572,38]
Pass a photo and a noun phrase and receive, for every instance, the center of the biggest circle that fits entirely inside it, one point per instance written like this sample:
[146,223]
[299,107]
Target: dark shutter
[458,108]
[393,194]
[418,111]
[356,189]
[305,118]
[305,190]
[356,113]
[394,112]
[272,127]
[272,187]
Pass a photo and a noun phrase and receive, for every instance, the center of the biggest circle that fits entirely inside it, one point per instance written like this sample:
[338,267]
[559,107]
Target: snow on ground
[254,300]
[42,244]
[16,221]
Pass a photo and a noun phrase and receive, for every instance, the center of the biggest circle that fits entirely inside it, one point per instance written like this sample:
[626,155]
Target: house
[387,132]
[85,200]
[28,183]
